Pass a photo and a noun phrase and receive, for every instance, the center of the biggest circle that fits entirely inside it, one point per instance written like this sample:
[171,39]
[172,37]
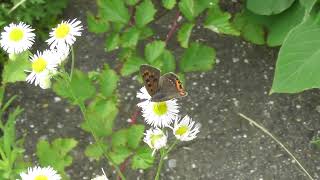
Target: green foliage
[112,42]
[192,8]
[114,10]
[77,90]
[131,65]
[298,60]
[108,81]
[218,21]
[268,7]
[145,12]
[143,158]
[197,58]
[184,34]
[56,154]
[154,50]
[129,39]
[14,68]
[96,150]
[96,24]
[169,4]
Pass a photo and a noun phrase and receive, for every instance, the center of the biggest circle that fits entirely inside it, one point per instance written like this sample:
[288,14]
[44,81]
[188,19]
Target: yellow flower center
[62,30]
[160,108]
[41,177]
[16,34]
[39,65]
[155,138]
[182,130]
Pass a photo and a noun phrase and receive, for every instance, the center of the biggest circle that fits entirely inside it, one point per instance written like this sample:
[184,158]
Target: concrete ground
[227,146]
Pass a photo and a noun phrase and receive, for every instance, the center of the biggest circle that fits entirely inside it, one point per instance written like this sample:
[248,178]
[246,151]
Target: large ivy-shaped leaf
[298,62]
[197,57]
[268,7]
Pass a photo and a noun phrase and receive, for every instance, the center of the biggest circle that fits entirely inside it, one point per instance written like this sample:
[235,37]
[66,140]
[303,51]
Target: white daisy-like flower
[185,129]
[65,34]
[38,173]
[157,114]
[62,54]
[45,82]
[155,138]
[43,65]
[17,38]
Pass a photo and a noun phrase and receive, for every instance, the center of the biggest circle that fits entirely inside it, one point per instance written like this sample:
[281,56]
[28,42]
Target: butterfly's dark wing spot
[155,80]
[147,80]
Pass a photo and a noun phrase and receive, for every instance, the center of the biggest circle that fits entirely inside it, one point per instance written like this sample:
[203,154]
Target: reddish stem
[174,27]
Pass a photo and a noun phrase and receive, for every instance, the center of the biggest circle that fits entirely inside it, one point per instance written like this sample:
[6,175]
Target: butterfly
[161,88]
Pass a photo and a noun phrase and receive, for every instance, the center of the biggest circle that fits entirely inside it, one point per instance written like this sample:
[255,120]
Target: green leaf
[119,154]
[78,90]
[14,70]
[281,24]
[169,4]
[131,2]
[168,63]
[184,34]
[308,5]
[9,131]
[268,7]
[135,134]
[145,13]
[130,37]
[119,138]
[112,42]
[146,32]
[143,158]
[114,10]
[100,117]
[96,25]
[95,150]
[192,8]
[251,26]
[132,65]
[297,67]
[153,50]
[56,154]
[197,57]
[108,81]
[218,21]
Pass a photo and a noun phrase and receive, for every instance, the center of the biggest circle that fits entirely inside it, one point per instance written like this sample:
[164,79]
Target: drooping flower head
[65,34]
[17,38]
[155,138]
[157,114]
[38,173]
[43,65]
[185,129]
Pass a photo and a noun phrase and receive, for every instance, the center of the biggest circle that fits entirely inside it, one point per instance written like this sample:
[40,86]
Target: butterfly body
[161,88]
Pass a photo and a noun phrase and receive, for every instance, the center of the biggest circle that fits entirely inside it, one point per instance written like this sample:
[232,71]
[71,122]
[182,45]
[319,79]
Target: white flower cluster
[162,114]
[18,38]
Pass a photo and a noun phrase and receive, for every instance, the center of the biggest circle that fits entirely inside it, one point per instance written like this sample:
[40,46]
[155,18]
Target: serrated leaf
[96,25]
[197,57]
[114,10]
[108,81]
[119,138]
[130,37]
[146,32]
[14,70]
[96,150]
[144,13]
[132,65]
[55,154]
[135,134]
[78,90]
[153,50]
[100,117]
[119,154]
[268,7]
[184,34]
[143,158]
[112,42]
[218,21]
[169,4]
[131,2]
[192,8]
[297,67]
[168,62]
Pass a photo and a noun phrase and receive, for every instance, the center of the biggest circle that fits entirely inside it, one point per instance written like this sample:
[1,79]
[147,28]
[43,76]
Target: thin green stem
[162,155]
[275,139]
[16,6]
[72,62]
